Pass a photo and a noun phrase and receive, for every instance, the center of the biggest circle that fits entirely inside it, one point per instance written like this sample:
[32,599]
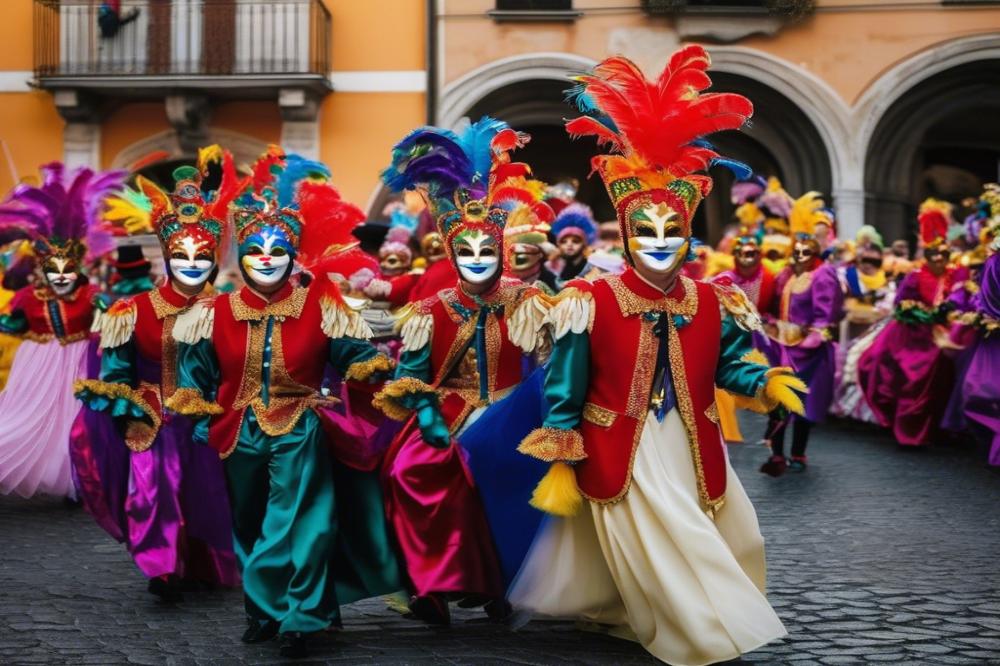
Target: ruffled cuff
[118,400]
[553,444]
[190,402]
[362,371]
[398,399]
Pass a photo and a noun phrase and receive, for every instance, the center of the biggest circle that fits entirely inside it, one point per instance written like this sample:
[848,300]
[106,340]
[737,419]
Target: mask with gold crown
[529,221]
[63,221]
[191,223]
[808,213]
[655,130]
[459,174]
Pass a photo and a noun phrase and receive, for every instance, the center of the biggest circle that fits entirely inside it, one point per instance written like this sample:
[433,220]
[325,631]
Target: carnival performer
[977,391]
[250,367]
[757,282]
[575,231]
[905,376]
[808,310]
[868,304]
[37,408]
[526,234]
[177,512]
[667,549]
[463,349]
[9,255]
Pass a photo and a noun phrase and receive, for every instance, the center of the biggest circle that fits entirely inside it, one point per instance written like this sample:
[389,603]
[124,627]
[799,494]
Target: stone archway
[245,148]
[926,130]
[798,129]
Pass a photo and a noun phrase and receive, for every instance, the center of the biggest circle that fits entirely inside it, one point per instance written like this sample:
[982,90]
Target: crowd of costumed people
[484,396]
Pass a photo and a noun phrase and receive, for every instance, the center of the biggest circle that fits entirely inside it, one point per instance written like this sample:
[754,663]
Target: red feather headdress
[934,218]
[655,128]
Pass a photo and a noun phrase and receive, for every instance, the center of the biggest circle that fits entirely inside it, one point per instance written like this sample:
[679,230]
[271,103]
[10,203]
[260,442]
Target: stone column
[82,133]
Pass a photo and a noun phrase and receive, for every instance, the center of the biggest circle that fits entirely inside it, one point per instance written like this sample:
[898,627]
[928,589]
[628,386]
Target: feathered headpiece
[529,216]
[63,217]
[656,130]
[129,213]
[934,218]
[776,204]
[273,195]
[457,173]
[807,211]
[576,219]
[189,211]
[748,190]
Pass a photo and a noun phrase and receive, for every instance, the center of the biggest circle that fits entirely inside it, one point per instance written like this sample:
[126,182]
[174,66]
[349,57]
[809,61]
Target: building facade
[875,103]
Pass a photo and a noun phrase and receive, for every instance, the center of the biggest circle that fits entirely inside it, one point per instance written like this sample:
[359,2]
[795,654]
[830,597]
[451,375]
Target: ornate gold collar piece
[290,306]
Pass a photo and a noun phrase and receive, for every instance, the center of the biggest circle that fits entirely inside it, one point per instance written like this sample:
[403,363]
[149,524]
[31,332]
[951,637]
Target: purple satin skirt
[975,402]
[907,379]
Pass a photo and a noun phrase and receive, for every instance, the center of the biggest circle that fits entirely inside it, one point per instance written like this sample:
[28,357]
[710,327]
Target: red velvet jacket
[39,315]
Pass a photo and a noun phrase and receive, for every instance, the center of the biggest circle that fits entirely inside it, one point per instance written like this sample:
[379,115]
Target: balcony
[220,48]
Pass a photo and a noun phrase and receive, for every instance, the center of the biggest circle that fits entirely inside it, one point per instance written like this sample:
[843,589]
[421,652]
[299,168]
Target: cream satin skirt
[654,566]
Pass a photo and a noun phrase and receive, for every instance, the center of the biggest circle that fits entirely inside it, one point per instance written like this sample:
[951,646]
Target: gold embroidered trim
[712,413]
[49,337]
[287,307]
[161,307]
[363,370]
[493,343]
[168,357]
[552,444]
[388,399]
[195,324]
[642,377]
[236,438]
[631,303]
[686,409]
[117,325]
[599,415]
[573,312]
[188,401]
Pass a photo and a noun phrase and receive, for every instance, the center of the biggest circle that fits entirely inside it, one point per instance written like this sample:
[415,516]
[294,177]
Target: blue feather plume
[296,170]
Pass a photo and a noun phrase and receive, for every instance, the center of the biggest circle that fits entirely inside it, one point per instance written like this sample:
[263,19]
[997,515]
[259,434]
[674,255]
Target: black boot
[432,609]
[168,591]
[293,645]
[259,631]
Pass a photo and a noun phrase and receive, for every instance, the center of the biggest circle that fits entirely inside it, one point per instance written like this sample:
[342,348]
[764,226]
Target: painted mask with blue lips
[192,259]
[657,239]
[477,256]
[266,256]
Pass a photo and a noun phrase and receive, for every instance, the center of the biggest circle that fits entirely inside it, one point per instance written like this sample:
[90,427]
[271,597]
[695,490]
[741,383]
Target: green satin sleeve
[566,379]
[198,368]
[113,393]
[733,373]
[416,364]
[118,364]
[14,323]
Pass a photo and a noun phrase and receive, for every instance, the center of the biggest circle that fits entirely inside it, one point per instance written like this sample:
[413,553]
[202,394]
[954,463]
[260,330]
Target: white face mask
[267,269]
[61,282]
[477,257]
[655,250]
[185,265]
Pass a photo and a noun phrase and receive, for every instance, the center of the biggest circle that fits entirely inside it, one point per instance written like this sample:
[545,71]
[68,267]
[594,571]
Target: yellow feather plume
[784,389]
[557,492]
[806,214]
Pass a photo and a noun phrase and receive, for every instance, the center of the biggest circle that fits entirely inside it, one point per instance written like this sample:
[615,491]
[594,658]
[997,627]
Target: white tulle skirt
[654,567]
[37,410]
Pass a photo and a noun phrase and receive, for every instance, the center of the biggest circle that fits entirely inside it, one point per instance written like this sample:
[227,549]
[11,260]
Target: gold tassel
[557,492]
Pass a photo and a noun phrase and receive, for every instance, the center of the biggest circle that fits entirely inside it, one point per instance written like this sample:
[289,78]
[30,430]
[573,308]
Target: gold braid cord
[553,444]
[189,402]
[363,370]
[388,400]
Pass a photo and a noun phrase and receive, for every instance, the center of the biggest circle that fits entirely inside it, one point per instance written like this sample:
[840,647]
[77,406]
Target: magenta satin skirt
[907,380]
[436,514]
[975,403]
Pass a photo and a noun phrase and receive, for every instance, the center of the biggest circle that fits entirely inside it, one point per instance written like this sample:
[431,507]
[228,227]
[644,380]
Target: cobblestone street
[875,555]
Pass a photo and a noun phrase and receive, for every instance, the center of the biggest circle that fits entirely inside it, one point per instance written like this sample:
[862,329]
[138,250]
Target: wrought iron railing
[77,38]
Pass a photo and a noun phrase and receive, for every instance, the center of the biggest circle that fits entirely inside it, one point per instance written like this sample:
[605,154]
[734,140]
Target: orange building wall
[847,48]
[16,35]
[32,131]
[127,124]
[378,34]
[357,131]
[260,120]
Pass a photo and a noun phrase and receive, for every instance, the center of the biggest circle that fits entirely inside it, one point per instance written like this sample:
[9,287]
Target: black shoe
[775,466]
[167,591]
[432,609]
[258,631]
[498,610]
[293,645]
